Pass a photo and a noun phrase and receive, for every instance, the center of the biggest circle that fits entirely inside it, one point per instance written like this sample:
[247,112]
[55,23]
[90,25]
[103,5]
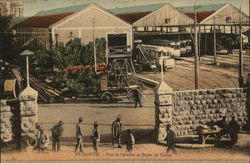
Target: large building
[161,21]
[11,8]
[82,21]
[167,22]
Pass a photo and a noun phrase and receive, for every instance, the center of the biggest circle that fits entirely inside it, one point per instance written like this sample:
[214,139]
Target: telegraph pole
[94,43]
[215,57]
[241,79]
[196,56]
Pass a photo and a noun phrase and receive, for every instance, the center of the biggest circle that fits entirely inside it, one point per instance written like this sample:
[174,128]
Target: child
[130,141]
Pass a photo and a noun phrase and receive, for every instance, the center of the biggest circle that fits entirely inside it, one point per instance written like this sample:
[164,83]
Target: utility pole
[248,75]
[241,79]
[215,57]
[196,56]
[94,43]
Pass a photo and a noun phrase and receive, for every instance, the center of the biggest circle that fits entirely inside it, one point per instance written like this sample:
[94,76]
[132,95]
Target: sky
[31,7]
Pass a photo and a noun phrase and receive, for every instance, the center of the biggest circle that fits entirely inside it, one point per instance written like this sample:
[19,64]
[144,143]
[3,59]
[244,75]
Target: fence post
[28,111]
[163,109]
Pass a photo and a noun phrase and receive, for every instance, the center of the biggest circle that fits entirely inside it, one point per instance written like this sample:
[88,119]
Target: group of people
[42,137]
[232,128]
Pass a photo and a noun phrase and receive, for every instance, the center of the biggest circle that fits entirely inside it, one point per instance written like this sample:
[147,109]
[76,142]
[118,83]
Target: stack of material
[46,94]
[6,124]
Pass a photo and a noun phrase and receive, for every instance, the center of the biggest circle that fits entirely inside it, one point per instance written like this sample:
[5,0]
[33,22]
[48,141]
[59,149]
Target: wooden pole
[215,57]
[94,44]
[196,56]
[241,79]
[27,71]
[162,67]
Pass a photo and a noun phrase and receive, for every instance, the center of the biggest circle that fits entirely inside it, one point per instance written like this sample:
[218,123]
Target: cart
[205,132]
[109,93]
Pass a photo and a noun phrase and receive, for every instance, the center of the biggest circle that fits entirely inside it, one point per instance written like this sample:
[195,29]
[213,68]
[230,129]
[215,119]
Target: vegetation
[8,51]
[71,66]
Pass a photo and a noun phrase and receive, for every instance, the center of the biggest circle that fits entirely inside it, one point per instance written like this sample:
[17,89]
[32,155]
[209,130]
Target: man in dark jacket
[95,138]
[233,129]
[223,125]
[137,97]
[79,135]
[170,139]
[116,131]
[57,132]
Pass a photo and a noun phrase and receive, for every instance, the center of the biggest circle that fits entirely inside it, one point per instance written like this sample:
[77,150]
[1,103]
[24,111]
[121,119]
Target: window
[228,19]
[167,20]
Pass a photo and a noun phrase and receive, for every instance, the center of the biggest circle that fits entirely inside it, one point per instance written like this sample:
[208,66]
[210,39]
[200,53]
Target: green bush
[70,66]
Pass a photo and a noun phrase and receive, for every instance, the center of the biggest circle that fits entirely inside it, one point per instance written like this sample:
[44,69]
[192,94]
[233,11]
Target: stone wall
[192,108]
[18,118]
[6,122]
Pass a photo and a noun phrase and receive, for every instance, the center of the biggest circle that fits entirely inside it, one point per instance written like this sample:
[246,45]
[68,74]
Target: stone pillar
[163,109]
[6,124]
[28,111]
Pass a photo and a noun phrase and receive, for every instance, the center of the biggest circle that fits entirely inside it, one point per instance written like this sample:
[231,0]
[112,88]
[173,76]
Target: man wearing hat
[95,137]
[43,140]
[79,135]
[170,139]
[116,130]
[57,132]
[37,134]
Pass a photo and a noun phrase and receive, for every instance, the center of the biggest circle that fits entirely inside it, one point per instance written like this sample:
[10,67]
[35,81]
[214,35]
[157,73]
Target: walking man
[43,141]
[130,141]
[137,97]
[233,129]
[170,139]
[95,138]
[79,135]
[116,131]
[57,132]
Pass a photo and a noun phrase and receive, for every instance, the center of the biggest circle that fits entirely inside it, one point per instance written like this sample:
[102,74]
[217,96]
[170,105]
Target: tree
[8,51]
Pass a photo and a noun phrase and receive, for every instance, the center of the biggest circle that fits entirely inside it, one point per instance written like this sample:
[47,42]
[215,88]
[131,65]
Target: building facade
[11,8]
[85,22]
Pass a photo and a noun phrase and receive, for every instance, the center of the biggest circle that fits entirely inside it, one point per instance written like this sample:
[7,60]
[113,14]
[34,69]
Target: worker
[233,129]
[57,132]
[43,141]
[116,131]
[170,139]
[137,97]
[95,138]
[79,135]
[130,141]
[37,135]
[223,125]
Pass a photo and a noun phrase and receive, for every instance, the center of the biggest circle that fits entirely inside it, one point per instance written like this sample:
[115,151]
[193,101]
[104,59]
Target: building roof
[137,9]
[134,13]
[16,20]
[70,9]
[203,11]
[201,8]
[42,21]
[132,17]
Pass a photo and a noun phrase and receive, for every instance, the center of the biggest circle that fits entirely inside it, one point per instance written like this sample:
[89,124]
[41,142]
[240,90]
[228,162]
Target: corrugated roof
[137,9]
[201,8]
[16,20]
[132,17]
[42,21]
[70,9]
[200,15]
